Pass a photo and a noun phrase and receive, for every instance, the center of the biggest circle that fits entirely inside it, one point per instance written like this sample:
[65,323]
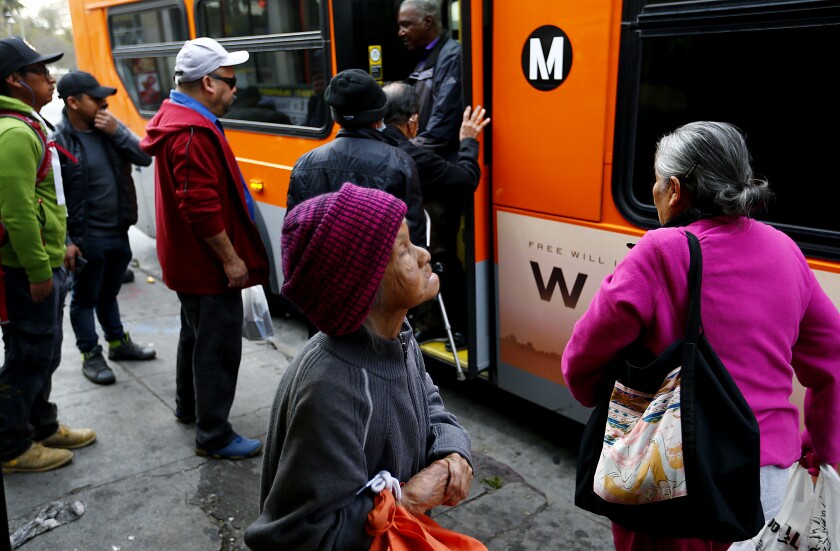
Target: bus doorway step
[436,349]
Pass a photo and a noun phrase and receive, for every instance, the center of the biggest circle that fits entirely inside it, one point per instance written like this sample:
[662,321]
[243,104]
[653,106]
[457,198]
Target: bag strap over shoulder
[695,280]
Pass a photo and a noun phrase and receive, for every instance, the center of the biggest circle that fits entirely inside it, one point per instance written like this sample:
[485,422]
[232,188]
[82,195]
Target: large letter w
[557,279]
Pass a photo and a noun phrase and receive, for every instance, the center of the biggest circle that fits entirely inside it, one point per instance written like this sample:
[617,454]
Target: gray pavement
[145,489]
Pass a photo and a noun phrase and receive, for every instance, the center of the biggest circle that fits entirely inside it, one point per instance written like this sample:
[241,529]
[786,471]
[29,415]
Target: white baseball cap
[202,56]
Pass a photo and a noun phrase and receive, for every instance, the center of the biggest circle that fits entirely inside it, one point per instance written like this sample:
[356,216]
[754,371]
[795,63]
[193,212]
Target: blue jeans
[96,288]
[33,351]
[209,352]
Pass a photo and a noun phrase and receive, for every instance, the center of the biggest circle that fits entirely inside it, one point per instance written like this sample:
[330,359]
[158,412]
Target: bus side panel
[549,144]
[547,273]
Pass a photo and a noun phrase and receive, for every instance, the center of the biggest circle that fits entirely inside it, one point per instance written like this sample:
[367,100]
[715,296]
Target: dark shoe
[239,448]
[126,349]
[69,439]
[460,341]
[184,417]
[37,459]
[95,368]
[129,275]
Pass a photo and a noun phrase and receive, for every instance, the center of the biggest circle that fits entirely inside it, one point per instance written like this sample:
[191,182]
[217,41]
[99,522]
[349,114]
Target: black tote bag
[720,439]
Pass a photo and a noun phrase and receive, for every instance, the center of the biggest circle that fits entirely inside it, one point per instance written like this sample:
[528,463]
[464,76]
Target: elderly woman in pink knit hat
[357,400]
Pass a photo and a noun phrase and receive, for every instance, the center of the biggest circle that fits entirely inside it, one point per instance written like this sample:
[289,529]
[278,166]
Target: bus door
[553,67]
[366,38]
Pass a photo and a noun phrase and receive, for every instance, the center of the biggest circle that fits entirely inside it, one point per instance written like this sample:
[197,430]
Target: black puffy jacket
[123,151]
[365,157]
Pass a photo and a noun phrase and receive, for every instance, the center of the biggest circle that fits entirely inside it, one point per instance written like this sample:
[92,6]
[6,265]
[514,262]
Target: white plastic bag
[809,519]
[824,531]
[256,319]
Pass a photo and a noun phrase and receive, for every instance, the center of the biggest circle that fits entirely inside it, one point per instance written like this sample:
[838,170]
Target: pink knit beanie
[335,248]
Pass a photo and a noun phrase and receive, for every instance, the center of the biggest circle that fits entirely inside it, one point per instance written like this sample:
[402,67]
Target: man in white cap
[208,245]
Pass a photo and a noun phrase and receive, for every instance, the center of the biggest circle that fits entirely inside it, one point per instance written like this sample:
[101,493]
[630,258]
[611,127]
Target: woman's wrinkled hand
[460,479]
[426,489]
[445,482]
[473,122]
[809,459]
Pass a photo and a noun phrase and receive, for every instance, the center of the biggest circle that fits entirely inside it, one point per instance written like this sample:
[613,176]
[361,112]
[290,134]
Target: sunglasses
[37,70]
[230,81]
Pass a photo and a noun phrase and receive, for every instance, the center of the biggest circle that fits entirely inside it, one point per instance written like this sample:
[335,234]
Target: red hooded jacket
[198,193]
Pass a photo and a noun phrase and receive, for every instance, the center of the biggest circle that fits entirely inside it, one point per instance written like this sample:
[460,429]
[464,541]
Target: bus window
[277,87]
[281,87]
[152,25]
[761,73]
[146,79]
[224,18]
[145,38]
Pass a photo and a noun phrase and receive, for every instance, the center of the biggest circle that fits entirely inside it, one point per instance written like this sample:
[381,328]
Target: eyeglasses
[37,70]
[230,81]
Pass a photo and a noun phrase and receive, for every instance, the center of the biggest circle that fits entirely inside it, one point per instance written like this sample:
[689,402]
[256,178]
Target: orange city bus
[578,91]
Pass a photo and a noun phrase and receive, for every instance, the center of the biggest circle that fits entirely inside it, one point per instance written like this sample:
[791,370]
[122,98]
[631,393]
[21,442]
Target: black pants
[96,288]
[209,352]
[33,351]
[445,215]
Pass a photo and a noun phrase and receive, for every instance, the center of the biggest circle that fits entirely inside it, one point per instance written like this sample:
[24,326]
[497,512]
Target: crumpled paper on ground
[53,515]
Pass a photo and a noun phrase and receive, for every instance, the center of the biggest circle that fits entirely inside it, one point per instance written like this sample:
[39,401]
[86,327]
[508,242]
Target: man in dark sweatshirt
[101,206]
[445,186]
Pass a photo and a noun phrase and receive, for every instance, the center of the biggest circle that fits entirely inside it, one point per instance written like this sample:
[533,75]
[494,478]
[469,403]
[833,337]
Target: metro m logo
[547,58]
[554,63]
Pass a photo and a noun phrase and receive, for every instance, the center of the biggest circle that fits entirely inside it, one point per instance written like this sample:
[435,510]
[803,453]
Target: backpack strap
[46,159]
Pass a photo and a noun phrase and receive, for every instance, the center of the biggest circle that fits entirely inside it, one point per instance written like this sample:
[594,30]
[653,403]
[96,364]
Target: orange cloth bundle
[395,529]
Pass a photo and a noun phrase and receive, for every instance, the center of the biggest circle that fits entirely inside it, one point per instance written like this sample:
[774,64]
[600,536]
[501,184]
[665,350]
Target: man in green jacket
[34,264]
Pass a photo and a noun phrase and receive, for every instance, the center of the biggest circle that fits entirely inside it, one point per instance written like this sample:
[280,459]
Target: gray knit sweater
[346,409]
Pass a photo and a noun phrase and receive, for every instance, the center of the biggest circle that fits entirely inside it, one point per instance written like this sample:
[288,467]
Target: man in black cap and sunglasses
[33,265]
[101,206]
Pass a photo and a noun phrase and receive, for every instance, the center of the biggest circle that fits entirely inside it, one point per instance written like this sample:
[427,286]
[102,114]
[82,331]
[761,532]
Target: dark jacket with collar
[447,184]
[438,84]
[365,157]
[123,150]
[439,178]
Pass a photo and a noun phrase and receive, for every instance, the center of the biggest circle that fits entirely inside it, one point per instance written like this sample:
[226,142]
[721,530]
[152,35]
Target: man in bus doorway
[101,206]
[445,187]
[208,245]
[34,261]
[436,77]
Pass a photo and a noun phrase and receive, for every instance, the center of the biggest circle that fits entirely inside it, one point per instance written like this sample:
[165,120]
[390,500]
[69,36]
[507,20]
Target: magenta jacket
[763,312]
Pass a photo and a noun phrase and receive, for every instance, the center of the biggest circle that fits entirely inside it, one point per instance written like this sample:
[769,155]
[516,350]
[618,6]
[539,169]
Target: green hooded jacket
[35,223]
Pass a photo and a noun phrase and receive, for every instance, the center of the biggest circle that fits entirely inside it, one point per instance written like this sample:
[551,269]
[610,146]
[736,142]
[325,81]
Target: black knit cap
[354,97]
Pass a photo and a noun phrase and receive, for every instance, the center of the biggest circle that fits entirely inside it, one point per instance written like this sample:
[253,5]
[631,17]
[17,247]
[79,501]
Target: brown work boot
[69,439]
[37,459]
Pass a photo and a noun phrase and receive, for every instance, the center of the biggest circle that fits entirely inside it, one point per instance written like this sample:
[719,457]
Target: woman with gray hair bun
[763,310]
[711,162]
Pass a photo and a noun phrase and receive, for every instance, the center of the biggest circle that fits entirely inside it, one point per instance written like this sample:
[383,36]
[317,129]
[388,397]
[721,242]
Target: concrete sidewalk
[144,488]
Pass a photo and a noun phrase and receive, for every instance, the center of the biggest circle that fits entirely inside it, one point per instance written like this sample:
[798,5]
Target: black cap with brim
[80,82]
[16,53]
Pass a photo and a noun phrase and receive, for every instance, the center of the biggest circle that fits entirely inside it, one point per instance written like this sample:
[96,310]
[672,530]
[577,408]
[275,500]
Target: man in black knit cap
[360,152]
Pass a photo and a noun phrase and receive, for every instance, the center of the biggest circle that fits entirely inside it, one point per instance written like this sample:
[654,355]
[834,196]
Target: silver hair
[712,163]
[427,7]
